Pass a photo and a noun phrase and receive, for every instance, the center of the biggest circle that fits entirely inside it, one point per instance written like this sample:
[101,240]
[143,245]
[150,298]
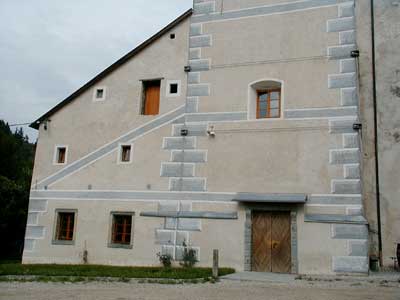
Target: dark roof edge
[113,67]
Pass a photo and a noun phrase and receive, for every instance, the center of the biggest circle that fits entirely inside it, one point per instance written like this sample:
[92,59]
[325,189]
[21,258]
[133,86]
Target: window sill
[61,242]
[121,246]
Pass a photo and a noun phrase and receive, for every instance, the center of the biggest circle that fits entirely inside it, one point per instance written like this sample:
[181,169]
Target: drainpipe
[378,200]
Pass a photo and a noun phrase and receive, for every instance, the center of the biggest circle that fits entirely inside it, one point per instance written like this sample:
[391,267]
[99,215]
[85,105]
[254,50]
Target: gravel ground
[232,290]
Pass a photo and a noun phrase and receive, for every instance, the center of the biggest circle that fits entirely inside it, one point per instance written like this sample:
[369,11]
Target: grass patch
[108,271]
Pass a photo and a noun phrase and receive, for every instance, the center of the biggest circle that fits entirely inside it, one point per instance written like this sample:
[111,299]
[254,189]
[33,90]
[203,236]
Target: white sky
[49,48]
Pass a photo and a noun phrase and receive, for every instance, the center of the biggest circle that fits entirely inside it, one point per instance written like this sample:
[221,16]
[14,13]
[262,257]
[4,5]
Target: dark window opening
[172,36]
[151,97]
[121,229]
[61,152]
[173,88]
[65,226]
[99,93]
[126,153]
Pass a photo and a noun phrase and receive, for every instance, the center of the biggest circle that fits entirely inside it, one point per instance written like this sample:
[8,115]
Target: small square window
[60,155]
[99,93]
[65,226]
[173,88]
[125,153]
[121,230]
[172,36]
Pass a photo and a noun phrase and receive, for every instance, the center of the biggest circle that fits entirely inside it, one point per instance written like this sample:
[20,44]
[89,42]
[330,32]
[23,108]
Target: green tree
[16,164]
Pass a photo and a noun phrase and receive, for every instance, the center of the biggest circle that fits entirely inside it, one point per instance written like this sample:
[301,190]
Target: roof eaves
[111,68]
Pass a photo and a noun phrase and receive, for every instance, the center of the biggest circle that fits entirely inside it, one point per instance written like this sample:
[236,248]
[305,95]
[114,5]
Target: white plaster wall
[270,156]
[84,125]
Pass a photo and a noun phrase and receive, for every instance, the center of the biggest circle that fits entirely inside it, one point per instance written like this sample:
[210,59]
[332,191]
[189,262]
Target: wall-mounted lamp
[45,123]
[211,131]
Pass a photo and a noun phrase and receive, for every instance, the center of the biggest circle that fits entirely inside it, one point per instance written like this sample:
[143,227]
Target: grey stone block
[193,129]
[203,8]
[194,53]
[199,65]
[189,224]
[342,125]
[170,223]
[164,206]
[348,96]
[33,218]
[343,80]
[350,140]
[29,245]
[182,237]
[165,237]
[193,77]
[346,186]
[167,250]
[196,184]
[174,169]
[179,143]
[347,65]
[334,199]
[192,105]
[179,250]
[35,232]
[195,29]
[210,117]
[334,218]
[346,10]
[351,171]
[37,205]
[342,51]
[195,156]
[350,264]
[198,90]
[358,248]
[347,37]
[200,41]
[354,211]
[349,231]
[321,112]
[185,206]
[344,156]
[340,24]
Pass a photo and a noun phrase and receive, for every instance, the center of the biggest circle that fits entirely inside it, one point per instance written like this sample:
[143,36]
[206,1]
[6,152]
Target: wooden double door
[271,242]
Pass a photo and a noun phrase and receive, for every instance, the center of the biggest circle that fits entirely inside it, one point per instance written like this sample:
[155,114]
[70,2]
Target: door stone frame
[248,232]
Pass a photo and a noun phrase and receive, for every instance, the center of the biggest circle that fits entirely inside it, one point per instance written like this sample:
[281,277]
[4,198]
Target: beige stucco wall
[84,124]
[315,248]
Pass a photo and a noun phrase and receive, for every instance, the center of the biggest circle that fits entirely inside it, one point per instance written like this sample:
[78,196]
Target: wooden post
[215,263]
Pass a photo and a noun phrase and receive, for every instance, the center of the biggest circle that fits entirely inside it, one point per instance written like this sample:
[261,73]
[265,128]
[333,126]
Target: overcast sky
[49,48]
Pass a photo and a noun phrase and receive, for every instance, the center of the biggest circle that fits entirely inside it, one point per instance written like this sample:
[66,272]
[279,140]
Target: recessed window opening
[126,153]
[265,100]
[99,93]
[173,88]
[60,155]
[65,226]
[151,97]
[121,231]
[172,36]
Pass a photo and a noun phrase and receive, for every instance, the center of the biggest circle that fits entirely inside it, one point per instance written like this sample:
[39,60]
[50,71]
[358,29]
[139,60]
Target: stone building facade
[238,127]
